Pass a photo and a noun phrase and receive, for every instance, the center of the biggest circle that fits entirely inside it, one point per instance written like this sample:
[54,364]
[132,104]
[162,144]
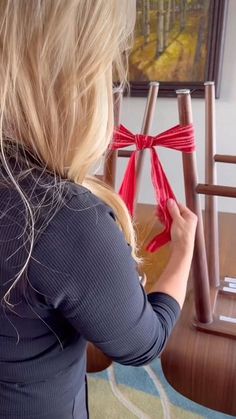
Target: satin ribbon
[179,138]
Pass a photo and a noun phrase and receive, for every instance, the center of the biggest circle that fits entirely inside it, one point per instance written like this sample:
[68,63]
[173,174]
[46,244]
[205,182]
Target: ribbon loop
[176,138]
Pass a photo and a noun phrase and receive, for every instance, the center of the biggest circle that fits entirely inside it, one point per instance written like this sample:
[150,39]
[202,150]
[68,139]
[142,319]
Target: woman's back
[81,284]
[42,357]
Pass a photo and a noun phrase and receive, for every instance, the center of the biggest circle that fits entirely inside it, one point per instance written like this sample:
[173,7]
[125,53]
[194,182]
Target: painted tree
[139,5]
[153,4]
[143,17]
[173,12]
[182,14]
[146,20]
[160,28]
[167,23]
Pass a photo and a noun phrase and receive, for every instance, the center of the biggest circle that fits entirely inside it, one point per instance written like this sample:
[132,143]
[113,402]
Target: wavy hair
[56,63]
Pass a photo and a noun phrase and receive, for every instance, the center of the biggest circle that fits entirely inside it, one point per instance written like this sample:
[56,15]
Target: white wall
[167,116]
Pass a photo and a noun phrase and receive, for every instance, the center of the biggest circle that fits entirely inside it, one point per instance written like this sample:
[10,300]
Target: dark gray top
[81,285]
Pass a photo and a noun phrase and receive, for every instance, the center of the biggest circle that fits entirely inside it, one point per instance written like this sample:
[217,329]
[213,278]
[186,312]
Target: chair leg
[211,214]
[111,156]
[199,264]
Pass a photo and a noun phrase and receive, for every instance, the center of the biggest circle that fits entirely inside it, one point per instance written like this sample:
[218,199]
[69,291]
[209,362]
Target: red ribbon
[176,138]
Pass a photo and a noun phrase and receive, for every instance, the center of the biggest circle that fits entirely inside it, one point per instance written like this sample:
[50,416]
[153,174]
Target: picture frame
[201,50]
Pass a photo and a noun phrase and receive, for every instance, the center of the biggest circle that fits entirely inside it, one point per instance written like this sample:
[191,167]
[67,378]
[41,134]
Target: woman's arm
[84,266]
[173,280]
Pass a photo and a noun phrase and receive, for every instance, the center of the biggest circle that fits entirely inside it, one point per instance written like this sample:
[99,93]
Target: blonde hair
[56,99]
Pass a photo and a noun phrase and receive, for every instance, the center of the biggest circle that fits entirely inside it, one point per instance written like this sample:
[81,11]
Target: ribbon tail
[163,193]
[158,241]
[128,188]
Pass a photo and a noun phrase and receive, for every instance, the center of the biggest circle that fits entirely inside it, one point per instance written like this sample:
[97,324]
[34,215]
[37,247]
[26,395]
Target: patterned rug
[128,392]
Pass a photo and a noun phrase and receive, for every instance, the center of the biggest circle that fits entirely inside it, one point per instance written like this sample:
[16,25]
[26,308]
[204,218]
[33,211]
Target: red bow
[177,138]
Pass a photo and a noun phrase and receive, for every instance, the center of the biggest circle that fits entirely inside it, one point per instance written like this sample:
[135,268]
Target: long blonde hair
[57,58]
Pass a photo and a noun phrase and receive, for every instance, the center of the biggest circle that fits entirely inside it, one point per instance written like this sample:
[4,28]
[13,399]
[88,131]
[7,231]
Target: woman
[67,273]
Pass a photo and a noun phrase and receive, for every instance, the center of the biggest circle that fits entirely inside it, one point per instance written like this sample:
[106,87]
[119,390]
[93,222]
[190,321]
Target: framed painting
[178,43]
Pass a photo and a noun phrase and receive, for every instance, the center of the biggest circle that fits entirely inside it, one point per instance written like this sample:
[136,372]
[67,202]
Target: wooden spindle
[216,190]
[211,213]
[225,158]
[111,157]
[146,126]
[199,264]
[125,153]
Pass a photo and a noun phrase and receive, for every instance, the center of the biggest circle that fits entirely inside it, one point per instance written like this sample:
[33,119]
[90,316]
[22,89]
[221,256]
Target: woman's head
[56,77]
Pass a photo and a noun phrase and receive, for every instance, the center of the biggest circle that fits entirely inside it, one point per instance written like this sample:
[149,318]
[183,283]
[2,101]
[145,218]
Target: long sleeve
[84,267]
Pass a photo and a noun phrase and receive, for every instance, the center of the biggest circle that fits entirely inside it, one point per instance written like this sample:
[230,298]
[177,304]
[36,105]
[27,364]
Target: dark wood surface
[200,365]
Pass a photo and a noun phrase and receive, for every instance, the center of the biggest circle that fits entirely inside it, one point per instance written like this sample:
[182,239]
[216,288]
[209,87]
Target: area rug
[128,392]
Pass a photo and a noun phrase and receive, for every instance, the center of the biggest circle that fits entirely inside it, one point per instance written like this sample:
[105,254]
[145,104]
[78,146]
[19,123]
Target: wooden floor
[199,365]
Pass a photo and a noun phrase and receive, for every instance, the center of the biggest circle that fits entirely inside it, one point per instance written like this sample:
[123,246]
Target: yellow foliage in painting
[184,56]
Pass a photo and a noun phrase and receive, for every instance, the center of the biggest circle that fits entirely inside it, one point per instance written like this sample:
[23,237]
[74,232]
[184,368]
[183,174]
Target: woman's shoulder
[81,234]
[79,197]
[79,213]
[76,189]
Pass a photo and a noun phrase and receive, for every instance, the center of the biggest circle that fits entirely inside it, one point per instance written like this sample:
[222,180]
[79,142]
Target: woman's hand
[173,280]
[183,229]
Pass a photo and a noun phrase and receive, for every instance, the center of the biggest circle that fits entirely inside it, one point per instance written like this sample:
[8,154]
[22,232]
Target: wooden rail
[216,190]
[224,158]
[124,153]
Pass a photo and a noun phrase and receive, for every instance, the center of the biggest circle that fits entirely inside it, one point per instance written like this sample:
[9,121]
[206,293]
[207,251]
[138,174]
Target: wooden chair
[200,358]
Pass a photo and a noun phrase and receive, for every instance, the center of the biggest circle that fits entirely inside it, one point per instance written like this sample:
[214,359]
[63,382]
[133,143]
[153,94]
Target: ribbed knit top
[81,285]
